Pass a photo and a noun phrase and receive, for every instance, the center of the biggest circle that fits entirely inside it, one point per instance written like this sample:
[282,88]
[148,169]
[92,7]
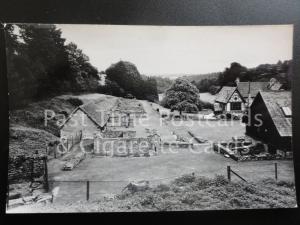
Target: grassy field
[212,130]
[109,175]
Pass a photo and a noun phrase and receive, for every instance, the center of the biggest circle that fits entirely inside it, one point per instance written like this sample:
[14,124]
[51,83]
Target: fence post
[276,174]
[228,173]
[87,190]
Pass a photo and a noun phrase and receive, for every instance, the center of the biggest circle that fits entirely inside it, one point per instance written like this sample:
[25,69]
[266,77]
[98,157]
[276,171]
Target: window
[287,111]
[235,106]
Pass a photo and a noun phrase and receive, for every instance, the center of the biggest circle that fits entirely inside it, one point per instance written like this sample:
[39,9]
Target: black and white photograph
[142,118]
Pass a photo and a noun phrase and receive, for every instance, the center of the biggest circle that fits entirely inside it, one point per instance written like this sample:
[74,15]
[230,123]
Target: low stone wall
[122,146]
[119,134]
[177,144]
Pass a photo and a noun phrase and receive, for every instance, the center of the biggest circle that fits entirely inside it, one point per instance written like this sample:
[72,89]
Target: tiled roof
[98,111]
[274,101]
[225,93]
[252,88]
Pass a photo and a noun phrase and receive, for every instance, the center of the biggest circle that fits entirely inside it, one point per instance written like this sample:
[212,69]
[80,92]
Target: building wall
[226,107]
[79,122]
[235,98]
[267,132]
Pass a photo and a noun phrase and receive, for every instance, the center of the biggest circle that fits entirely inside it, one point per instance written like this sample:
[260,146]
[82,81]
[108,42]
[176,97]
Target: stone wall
[122,146]
[79,123]
[119,134]
[22,168]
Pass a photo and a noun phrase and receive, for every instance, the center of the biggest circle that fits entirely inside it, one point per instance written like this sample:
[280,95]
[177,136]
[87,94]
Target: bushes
[162,188]
[206,105]
[75,101]
[188,178]
[202,193]
[190,192]
[220,180]
[185,106]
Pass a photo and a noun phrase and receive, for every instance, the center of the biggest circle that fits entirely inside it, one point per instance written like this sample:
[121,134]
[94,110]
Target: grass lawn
[208,129]
[112,174]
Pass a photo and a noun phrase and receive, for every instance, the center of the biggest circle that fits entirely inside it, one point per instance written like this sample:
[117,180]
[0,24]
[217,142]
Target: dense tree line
[40,64]
[280,71]
[123,79]
[163,83]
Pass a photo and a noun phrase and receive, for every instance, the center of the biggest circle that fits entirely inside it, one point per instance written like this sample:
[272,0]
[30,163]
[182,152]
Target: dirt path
[166,128]
[155,122]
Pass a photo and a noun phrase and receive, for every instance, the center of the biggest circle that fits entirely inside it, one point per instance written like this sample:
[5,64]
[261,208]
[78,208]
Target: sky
[172,51]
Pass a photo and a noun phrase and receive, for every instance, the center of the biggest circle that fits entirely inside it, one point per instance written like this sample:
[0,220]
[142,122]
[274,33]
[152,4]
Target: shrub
[228,116]
[188,178]
[161,188]
[206,105]
[136,154]
[188,199]
[75,101]
[284,183]
[147,200]
[220,180]
[201,183]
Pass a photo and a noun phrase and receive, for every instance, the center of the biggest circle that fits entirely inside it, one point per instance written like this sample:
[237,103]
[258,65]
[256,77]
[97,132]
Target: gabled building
[270,119]
[88,119]
[250,89]
[229,100]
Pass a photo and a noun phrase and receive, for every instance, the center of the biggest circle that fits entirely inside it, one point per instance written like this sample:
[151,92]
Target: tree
[112,88]
[48,59]
[228,77]
[206,84]
[83,75]
[182,96]
[127,77]
[41,65]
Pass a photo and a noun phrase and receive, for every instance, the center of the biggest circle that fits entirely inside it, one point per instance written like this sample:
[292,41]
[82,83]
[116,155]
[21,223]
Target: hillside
[35,127]
[199,77]
[164,83]
[280,71]
[211,82]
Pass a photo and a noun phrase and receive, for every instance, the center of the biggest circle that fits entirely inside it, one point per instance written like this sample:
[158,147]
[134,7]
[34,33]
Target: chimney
[237,80]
